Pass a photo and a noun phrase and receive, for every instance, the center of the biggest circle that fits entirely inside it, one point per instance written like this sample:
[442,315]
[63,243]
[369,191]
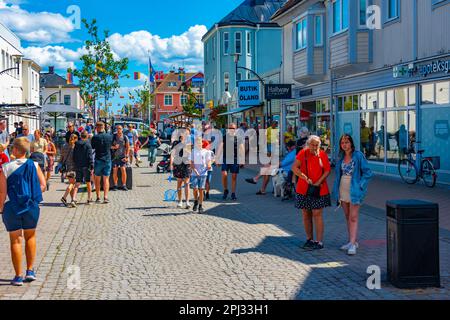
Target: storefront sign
[249,93]
[424,70]
[306,92]
[278,91]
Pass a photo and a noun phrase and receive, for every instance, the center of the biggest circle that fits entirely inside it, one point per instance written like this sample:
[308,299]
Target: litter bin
[413,244]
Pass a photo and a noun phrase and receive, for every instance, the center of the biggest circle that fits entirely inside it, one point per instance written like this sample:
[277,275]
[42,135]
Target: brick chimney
[51,69]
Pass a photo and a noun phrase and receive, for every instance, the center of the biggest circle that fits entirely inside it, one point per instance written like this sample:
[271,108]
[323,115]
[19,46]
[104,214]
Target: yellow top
[365,134]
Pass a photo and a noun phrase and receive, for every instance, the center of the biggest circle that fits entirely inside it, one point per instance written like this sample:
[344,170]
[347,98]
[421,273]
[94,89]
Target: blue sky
[170,30]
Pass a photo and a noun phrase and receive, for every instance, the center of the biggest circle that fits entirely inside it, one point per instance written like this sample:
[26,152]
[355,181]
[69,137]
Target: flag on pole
[151,71]
[137,75]
[130,96]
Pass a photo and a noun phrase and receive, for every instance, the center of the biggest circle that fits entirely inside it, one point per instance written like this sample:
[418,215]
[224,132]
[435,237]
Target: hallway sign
[249,93]
[278,91]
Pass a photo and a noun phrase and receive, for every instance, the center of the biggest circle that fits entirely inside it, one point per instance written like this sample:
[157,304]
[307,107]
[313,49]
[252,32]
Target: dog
[279,177]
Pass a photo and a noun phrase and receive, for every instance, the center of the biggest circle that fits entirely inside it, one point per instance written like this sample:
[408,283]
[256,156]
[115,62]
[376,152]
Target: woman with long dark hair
[350,188]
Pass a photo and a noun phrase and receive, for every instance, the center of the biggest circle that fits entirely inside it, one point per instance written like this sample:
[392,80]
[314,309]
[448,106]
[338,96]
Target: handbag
[313,191]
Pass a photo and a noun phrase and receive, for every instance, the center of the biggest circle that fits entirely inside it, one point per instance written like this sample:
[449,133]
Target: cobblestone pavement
[140,247]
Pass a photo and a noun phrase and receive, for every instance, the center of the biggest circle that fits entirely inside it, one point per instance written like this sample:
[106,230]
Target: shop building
[388,87]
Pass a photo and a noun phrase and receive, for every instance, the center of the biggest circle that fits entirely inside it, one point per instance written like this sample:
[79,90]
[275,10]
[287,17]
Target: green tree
[100,72]
[143,99]
[189,106]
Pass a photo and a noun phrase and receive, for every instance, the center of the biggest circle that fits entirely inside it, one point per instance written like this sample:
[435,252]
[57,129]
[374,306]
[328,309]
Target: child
[137,148]
[23,182]
[207,146]
[200,164]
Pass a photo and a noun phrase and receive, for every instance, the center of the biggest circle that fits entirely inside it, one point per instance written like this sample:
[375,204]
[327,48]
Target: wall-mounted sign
[441,129]
[249,93]
[278,91]
[305,93]
[424,70]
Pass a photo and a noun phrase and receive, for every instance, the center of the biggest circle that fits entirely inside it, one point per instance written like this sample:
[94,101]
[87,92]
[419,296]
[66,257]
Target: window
[238,42]
[226,43]
[393,9]
[372,136]
[401,97]
[249,43]
[428,93]
[53,99]
[397,134]
[183,100]
[168,100]
[372,101]
[238,78]
[226,81]
[7,62]
[349,103]
[318,40]
[67,100]
[340,15]
[301,32]
[442,92]
[323,106]
[3,61]
[172,84]
[362,13]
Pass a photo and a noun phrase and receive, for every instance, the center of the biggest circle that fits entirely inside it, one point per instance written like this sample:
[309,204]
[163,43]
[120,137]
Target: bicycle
[411,174]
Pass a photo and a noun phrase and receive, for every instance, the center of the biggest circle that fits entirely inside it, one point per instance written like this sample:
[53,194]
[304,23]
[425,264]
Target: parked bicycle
[411,174]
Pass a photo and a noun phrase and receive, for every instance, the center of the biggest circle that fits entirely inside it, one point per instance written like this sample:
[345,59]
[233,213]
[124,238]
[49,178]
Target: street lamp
[17,59]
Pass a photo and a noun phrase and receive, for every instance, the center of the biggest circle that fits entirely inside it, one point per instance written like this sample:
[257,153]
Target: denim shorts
[198,182]
[209,176]
[102,168]
[233,168]
[26,221]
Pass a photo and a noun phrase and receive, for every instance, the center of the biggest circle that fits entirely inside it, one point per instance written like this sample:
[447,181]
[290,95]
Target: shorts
[118,163]
[71,175]
[344,189]
[232,168]
[102,168]
[25,221]
[209,176]
[198,182]
[83,175]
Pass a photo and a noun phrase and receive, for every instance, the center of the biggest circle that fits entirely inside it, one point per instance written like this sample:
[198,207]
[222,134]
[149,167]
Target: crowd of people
[92,154]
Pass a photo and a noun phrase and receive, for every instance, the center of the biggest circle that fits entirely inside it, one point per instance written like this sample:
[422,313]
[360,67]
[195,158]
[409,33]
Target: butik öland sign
[278,91]
[249,93]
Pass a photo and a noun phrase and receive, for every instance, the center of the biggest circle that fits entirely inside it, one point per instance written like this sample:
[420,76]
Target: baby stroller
[164,165]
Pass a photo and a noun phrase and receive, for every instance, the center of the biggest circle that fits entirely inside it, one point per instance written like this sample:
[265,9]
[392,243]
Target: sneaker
[201,210]
[89,202]
[352,250]
[188,205]
[64,201]
[180,205]
[106,201]
[30,276]
[225,194]
[98,201]
[17,282]
[233,197]
[251,181]
[195,208]
[207,196]
[73,204]
[347,246]
[114,188]
[318,246]
[309,245]
[124,188]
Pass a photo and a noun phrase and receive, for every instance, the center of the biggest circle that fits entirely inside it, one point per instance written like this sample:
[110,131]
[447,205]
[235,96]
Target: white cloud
[36,27]
[59,57]
[178,50]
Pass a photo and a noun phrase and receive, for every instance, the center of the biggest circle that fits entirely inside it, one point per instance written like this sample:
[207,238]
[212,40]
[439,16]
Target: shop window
[401,97]
[397,135]
[442,92]
[363,101]
[372,101]
[349,103]
[372,136]
[428,93]
[323,106]
[67,100]
[324,132]
[382,99]
[412,96]
[390,99]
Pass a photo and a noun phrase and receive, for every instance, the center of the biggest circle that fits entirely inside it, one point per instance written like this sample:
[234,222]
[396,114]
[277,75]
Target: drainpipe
[415,30]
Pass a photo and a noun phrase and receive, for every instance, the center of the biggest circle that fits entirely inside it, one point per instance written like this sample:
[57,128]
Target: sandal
[64,201]
[259,193]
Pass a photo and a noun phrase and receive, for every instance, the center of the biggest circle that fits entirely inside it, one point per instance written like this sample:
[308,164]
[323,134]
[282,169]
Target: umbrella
[57,110]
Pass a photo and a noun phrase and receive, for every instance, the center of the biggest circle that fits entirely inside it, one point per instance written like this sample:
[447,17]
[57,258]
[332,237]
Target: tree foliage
[191,101]
[100,72]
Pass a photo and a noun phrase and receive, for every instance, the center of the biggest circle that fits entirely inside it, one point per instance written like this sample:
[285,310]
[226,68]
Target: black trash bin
[413,244]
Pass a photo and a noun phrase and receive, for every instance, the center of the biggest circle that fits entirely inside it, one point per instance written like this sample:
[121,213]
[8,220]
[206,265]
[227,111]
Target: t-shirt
[213,158]
[228,140]
[317,166]
[269,135]
[30,137]
[38,146]
[4,136]
[122,142]
[102,143]
[10,167]
[365,134]
[201,158]
[131,134]
[289,136]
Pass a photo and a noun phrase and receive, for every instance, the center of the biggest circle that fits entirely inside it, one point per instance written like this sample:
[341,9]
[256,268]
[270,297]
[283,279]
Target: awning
[238,110]
[25,110]
[61,108]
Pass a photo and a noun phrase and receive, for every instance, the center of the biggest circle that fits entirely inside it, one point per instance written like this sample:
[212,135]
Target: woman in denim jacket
[350,188]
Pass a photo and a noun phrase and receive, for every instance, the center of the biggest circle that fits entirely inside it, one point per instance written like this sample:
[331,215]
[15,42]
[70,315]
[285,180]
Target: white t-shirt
[212,157]
[4,136]
[201,159]
[10,167]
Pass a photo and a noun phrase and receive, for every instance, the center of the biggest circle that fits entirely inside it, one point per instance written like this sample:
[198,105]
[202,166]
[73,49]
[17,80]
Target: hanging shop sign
[249,93]
[278,91]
